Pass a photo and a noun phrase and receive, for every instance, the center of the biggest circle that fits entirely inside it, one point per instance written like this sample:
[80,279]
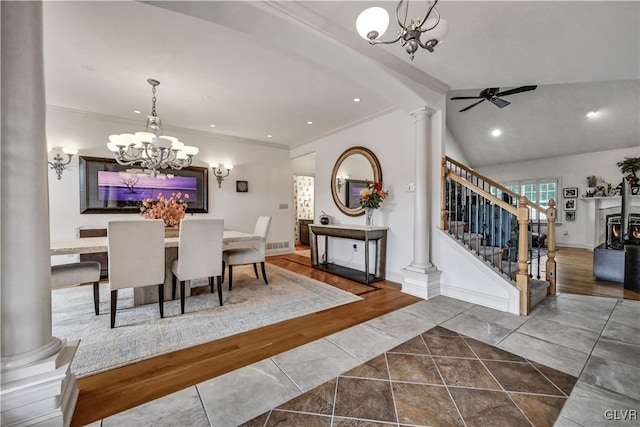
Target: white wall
[391,138]
[266,168]
[453,149]
[572,171]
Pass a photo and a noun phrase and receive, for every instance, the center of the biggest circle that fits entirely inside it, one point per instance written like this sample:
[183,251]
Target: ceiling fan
[491,94]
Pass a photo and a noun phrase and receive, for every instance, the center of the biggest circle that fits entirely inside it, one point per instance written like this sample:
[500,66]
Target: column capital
[422,112]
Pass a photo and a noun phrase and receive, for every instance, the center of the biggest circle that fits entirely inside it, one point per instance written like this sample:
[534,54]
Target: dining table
[147,294]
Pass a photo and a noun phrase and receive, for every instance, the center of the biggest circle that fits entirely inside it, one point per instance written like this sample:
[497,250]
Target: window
[539,191]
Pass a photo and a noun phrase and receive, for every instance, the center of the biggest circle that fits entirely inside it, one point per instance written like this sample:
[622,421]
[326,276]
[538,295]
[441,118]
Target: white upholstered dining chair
[136,258]
[78,273]
[250,255]
[199,254]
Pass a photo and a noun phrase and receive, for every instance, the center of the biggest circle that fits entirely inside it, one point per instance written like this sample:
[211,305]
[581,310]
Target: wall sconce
[341,179]
[58,162]
[221,172]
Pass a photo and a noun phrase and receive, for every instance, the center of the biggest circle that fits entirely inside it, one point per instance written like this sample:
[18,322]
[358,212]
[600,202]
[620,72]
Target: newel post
[443,195]
[551,247]
[522,278]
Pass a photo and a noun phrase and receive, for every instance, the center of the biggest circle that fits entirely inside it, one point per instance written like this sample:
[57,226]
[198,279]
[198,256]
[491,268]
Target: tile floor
[438,378]
[594,339]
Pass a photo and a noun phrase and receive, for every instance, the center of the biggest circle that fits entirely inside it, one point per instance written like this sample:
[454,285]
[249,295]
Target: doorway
[304,168]
[303,196]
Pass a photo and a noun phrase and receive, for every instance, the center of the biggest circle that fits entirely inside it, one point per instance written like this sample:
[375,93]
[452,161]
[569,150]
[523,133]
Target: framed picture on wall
[570,216]
[108,187]
[570,192]
[242,186]
[570,205]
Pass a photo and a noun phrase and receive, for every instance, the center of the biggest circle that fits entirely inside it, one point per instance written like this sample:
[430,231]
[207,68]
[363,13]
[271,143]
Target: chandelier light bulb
[439,32]
[372,23]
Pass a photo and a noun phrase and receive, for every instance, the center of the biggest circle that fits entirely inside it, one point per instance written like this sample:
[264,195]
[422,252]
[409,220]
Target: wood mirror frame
[377,177]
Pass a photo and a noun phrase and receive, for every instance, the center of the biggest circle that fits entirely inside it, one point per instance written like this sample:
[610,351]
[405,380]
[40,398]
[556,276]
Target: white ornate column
[37,385]
[421,278]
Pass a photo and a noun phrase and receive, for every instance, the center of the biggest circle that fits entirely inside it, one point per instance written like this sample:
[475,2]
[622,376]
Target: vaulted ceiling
[254,69]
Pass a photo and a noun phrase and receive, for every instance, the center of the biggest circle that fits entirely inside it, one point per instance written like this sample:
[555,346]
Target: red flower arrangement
[372,197]
[170,210]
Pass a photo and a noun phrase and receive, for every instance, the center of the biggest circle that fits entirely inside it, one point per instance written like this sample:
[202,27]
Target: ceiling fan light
[372,23]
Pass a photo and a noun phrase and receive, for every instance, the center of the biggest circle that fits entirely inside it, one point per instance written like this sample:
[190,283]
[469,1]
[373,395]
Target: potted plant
[592,181]
[629,166]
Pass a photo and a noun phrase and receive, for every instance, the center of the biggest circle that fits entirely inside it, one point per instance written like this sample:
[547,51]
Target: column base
[43,392]
[422,284]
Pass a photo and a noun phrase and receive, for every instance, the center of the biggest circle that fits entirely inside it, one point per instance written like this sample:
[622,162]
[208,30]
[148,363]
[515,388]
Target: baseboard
[475,297]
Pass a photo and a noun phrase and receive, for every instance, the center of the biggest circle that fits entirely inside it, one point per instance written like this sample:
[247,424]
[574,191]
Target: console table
[353,232]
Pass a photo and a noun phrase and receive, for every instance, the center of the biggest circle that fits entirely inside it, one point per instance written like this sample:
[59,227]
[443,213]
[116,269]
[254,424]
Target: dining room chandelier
[151,149]
[373,22]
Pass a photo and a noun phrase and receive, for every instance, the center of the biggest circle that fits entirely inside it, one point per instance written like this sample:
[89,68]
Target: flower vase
[171,232]
[369,216]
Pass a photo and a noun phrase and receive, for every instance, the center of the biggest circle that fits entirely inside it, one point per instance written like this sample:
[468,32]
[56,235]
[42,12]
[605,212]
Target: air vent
[277,245]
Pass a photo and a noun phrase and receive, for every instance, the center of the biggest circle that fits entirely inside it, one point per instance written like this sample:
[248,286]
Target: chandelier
[152,149]
[373,22]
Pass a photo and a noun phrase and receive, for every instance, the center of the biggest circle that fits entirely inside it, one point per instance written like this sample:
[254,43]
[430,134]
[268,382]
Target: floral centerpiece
[171,210]
[371,198]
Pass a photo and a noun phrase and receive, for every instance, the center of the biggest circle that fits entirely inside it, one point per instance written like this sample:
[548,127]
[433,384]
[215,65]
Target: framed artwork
[570,205]
[570,193]
[570,215]
[107,187]
[242,186]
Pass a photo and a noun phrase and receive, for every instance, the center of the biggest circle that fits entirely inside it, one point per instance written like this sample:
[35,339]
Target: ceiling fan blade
[471,106]
[516,90]
[499,102]
[467,97]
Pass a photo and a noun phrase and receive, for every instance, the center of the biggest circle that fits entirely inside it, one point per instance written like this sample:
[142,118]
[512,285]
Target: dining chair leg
[223,271]
[182,296]
[173,286]
[255,270]
[211,283]
[114,303]
[161,299]
[230,276]
[264,273]
[220,289]
[96,297]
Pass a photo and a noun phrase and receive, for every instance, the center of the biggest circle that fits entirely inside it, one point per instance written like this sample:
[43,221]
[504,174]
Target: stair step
[537,291]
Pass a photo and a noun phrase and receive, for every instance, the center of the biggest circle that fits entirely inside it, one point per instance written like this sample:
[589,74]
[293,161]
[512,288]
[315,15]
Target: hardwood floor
[574,272]
[114,391]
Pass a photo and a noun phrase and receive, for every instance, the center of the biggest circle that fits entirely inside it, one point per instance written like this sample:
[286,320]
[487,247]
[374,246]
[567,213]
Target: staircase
[501,229]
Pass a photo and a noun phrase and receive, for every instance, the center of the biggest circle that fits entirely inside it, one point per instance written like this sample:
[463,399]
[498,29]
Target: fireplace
[615,238]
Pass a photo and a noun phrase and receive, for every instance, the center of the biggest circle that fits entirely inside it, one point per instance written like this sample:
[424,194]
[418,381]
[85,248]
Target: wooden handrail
[504,205]
[495,184]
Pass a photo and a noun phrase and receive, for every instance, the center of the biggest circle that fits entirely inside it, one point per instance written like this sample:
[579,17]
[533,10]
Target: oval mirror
[354,169]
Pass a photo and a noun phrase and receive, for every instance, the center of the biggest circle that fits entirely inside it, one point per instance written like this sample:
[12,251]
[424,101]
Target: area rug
[140,333]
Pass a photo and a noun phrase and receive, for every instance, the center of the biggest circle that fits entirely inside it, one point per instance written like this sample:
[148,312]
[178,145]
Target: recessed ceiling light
[592,114]
[212,126]
[136,111]
[269,136]
[496,132]
[309,123]
[356,99]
